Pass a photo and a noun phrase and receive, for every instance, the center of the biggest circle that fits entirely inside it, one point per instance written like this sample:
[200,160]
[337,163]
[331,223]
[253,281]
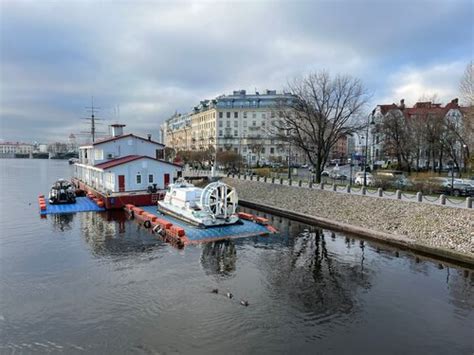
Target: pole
[366,148]
[289,163]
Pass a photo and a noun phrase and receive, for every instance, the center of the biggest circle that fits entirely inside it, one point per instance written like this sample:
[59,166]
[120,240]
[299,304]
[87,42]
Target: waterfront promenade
[439,230]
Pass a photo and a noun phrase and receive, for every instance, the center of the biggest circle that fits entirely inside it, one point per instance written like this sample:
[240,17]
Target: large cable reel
[219,199]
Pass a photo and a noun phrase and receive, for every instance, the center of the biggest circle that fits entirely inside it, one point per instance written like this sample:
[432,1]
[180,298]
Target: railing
[361,190]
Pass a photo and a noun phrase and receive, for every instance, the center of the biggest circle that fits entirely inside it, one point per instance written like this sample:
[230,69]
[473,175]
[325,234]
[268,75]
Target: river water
[98,283]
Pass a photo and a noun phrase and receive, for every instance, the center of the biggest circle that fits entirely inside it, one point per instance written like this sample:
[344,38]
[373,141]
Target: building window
[150,178]
[272,150]
[139,179]
[245,123]
[254,123]
[263,150]
[236,133]
[228,114]
[227,124]
[264,115]
[220,123]
[254,115]
[245,114]
[220,133]
[236,124]
[236,114]
[221,114]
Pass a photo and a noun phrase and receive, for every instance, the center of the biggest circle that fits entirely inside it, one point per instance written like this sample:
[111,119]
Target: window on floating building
[151,178]
[139,179]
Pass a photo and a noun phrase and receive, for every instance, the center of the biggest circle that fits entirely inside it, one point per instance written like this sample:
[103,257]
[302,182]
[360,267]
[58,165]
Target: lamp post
[369,123]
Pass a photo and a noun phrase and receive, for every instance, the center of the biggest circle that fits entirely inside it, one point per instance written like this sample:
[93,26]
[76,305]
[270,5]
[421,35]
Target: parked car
[325,173]
[337,176]
[457,189]
[359,179]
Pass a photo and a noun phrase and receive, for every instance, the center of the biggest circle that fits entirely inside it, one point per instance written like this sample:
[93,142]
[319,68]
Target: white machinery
[215,205]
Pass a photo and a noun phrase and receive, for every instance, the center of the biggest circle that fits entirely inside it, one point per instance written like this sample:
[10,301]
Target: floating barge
[181,234]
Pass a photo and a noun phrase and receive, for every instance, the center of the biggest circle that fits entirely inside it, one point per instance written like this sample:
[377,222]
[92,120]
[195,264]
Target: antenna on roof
[93,110]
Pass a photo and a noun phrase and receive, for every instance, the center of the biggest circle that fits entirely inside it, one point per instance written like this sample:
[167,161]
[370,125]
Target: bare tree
[467,95]
[466,86]
[323,110]
[399,140]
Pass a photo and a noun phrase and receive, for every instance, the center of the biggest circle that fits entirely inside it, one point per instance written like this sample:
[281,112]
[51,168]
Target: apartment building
[239,122]
[15,149]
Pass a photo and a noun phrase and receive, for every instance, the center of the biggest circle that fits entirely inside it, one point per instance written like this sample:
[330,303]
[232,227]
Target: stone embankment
[437,230]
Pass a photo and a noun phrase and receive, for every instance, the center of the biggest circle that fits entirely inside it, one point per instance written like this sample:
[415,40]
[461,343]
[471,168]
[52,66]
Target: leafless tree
[399,138]
[323,110]
[467,95]
[466,86]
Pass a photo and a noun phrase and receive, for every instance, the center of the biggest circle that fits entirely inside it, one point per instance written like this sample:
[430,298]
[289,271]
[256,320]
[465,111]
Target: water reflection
[62,222]
[219,258]
[314,281]
[110,233]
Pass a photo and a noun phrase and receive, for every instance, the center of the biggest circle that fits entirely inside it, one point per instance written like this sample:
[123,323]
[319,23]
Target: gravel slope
[431,225]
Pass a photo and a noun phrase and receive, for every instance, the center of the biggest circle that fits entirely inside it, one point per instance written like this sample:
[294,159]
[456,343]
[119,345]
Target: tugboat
[62,191]
[214,205]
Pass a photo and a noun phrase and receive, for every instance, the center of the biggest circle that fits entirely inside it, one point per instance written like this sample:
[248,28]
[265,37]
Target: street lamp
[369,123]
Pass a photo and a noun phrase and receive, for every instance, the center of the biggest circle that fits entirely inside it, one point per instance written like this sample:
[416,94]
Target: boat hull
[162,208]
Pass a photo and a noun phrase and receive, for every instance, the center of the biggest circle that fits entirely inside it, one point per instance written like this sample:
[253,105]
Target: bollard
[289,182]
[300,183]
[251,177]
[398,193]
[321,185]
[238,176]
[442,199]
[334,187]
[281,181]
[364,190]
[419,196]
[245,176]
[273,180]
[380,192]
[258,177]
[310,184]
[348,189]
[468,202]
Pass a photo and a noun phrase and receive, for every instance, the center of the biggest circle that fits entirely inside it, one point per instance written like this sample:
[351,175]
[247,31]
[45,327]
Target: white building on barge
[124,164]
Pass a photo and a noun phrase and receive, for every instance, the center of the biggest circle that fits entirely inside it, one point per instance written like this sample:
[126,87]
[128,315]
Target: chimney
[149,136]
[402,104]
[117,129]
[455,101]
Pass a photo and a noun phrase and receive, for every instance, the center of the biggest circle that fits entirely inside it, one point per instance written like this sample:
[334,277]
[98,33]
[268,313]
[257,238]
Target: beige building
[239,122]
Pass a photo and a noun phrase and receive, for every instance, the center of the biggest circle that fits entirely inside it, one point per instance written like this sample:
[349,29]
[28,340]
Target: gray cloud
[153,58]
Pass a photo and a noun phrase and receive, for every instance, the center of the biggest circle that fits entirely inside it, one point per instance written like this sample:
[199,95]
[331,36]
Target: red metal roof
[124,136]
[126,159]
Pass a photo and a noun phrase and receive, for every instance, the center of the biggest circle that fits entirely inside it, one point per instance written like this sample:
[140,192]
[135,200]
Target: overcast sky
[151,58]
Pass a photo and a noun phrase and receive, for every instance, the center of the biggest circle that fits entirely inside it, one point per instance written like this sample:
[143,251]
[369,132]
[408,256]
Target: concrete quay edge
[365,233]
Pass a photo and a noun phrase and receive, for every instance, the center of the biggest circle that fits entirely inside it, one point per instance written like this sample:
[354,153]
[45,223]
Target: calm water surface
[98,283]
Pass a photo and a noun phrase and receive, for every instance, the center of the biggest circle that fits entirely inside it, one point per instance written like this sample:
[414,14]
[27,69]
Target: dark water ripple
[97,283]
